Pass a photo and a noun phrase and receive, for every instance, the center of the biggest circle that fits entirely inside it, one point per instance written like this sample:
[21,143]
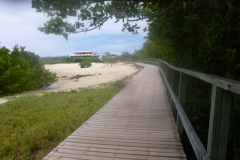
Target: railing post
[219,123]
[181,97]
[164,68]
[174,85]
[168,77]
[169,80]
[167,73]
[224,125]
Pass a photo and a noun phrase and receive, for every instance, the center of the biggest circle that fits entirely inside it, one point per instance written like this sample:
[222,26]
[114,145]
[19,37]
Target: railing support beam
[181,97]
[219,123]
[174,85]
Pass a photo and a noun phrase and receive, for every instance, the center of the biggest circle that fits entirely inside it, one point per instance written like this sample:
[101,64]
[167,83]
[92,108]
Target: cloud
[20,22]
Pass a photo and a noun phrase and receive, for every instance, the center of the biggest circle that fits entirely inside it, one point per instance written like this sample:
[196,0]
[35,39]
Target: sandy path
[96,74]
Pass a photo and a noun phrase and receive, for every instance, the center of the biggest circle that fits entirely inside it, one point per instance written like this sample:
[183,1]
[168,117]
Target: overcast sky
[19,23]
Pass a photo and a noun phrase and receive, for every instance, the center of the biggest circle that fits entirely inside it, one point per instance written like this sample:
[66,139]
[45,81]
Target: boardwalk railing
[222,91]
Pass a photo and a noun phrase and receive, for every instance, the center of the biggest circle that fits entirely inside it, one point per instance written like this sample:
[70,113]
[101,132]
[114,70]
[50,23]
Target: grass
[31,126]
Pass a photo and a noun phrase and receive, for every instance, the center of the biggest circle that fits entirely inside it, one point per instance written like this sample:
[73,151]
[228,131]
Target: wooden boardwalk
[136,124]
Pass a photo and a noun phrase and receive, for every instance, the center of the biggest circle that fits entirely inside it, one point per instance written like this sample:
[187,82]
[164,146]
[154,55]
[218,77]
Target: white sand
[96,74]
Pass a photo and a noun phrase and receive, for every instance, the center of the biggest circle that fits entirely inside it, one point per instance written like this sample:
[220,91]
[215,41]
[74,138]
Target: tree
[125,56]
[109,59]
[22,70]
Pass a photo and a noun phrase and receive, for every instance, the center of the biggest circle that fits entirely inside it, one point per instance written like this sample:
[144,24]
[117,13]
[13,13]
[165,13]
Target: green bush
[22,70]
[85,63]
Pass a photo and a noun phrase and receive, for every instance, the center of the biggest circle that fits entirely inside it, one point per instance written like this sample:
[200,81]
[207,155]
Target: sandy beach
[71,76]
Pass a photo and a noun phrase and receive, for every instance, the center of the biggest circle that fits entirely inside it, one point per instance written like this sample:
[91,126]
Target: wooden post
[169,80]
[163,66]
[167,73]
[181,97]
[224,125]
[219,123]
[214,125]
[174,84]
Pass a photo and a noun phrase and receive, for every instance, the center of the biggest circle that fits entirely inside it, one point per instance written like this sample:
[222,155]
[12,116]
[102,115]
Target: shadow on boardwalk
[136,124]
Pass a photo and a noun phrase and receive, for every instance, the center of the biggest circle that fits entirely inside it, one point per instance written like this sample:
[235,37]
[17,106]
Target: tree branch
[154,15]
[98,26]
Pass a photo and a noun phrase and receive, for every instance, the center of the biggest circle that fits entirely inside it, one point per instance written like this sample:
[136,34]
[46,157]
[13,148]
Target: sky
[19,23]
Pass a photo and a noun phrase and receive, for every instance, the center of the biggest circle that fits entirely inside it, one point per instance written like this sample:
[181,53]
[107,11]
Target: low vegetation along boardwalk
[136,124]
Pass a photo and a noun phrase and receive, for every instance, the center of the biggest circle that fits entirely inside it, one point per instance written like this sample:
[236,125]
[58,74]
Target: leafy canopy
[75,16]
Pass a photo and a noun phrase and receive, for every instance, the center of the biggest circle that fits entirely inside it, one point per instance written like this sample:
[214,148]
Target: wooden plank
[84,146]
[57,157]
[121,141]
[114,152]
[112,148]
[128,137]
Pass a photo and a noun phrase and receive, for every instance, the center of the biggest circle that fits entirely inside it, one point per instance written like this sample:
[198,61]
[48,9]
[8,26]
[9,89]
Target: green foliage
[32,126]
[126,56]
[86,62]
[91,59]
[88,15]
[109,59]
[63,59]
[22,70]
[67,59]
[200,36]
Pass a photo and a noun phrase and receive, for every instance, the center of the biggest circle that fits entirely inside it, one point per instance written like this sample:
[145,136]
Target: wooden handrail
[222,91]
